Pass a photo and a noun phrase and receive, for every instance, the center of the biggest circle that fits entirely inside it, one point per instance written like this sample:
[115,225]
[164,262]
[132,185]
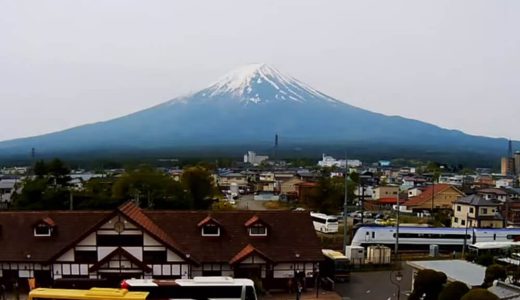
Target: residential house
[477,211]
[226,180]
[434,197]
[385,192]
[7,190]
[306,190]
[103,247]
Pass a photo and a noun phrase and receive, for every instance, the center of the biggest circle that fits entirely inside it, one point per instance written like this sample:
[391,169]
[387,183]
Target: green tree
[48,190]
[329,195]
[198,183]
[153,189]
[429,283]
[58,172]
[480,294]
[494,272]
[453,291]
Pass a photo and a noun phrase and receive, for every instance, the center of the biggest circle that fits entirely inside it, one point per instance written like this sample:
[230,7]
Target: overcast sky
[452,63]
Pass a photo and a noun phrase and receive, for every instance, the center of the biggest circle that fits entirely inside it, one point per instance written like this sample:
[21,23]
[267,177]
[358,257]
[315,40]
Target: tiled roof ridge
[134,213]
[208,219]
[245,252]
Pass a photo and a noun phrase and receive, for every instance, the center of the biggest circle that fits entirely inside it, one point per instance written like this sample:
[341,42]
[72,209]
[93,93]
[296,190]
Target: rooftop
[456,270]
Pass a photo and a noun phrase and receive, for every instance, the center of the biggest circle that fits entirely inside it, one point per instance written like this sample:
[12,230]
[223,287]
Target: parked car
[379,221]
[298,209]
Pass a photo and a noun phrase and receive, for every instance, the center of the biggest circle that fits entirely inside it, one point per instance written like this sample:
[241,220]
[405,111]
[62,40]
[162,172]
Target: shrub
[453,291]
[428,282]
[480,294]
[493,273]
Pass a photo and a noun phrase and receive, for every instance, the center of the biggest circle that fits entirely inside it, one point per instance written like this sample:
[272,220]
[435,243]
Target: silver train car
[423,237]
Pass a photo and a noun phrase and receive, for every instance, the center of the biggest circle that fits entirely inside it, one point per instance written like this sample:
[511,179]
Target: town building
[103,247]
[329,161]
[507,166]
[477,211]
[254,159]
[434,197]
[386,191]
[7,190]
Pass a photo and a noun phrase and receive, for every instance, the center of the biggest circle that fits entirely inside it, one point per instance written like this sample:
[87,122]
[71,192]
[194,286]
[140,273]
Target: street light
[397,282]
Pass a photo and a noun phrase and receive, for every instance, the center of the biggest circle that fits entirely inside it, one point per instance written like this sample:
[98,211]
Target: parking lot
[376,285]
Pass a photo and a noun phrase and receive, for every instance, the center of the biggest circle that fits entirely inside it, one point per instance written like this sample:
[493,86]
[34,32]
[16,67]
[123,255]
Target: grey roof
[7,183]
[478,200]
[456,270]
[505,291]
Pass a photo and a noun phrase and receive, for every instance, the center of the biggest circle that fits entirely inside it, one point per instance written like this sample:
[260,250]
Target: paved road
[246,202]
[375,285]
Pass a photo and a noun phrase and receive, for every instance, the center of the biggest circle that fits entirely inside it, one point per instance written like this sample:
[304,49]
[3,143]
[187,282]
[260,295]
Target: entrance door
[43,278]
[249,271]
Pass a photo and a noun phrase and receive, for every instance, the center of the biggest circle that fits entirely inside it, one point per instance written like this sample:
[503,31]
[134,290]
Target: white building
[329,161]
[7,189]
[251,158]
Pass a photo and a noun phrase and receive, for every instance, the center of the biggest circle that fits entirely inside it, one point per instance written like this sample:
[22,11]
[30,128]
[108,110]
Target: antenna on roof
[275,147]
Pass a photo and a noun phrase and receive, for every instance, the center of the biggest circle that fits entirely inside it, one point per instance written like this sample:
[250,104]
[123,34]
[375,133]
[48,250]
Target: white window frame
[49,231]
[258,234]
[210,234]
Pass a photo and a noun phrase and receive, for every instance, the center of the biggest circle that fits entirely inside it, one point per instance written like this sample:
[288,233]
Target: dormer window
[210,230]
[42,230]
[258,230]
[256,226]
[44,227]
[209,227]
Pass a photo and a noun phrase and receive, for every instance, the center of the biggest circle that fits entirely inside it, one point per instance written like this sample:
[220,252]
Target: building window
[154,257]
[458,208]
[210,230]
[484,211]
[85,256]
[120,240]
[42,230]
[456,220]
[463,222]
[258,230]
[471,210]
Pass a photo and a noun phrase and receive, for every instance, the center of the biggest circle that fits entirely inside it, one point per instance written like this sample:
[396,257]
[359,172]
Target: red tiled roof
[389,200]
[17,241]
[280,244]
[245,253]
[426,195]
[207,220]
[253,220]
[49,221]
[135,214]
[177,230]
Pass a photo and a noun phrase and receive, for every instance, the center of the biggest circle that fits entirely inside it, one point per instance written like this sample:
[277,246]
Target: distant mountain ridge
[249,106]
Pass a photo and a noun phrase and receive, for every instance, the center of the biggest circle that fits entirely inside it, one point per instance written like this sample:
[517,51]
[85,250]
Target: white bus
[198,288]
[324,223]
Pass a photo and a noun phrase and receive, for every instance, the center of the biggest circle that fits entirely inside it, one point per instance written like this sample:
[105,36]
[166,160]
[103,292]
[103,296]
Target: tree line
[50,187]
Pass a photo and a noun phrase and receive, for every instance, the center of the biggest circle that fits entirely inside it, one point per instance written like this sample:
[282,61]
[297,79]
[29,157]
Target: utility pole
[396,249]
[345,209]
[71,200]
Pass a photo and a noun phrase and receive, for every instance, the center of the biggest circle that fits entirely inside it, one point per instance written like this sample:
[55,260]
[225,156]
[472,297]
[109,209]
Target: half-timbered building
[104,247]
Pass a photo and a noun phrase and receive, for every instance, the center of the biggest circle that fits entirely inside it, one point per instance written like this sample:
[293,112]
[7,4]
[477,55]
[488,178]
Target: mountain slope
[249,106]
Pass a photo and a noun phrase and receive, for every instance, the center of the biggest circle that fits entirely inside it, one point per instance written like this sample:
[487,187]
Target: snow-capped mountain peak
[262,83]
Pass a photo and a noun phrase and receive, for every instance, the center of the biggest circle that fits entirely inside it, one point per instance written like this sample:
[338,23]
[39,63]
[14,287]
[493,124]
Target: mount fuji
[248,106]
